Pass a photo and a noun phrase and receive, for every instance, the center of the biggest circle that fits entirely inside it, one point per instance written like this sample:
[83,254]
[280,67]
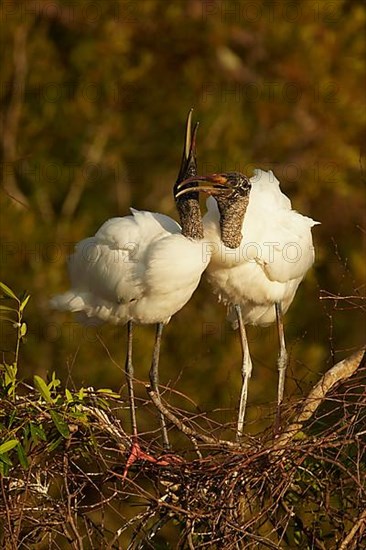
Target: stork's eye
[239,183]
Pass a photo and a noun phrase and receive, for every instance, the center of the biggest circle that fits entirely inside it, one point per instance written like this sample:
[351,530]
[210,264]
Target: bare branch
[105,423]
[186,429]
[231,496]
[360,524]
[341,371]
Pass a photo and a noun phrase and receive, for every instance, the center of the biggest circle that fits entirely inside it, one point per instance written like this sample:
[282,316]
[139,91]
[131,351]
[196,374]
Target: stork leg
[129,379]
[282,361]
[154,381]
[246,371]
[136,453]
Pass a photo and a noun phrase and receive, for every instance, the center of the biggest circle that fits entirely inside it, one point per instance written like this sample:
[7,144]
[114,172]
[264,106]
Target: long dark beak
[188,165]
[213,184]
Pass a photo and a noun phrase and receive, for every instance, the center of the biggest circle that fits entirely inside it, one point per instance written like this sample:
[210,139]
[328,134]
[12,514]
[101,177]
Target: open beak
[213,184]
[188,166]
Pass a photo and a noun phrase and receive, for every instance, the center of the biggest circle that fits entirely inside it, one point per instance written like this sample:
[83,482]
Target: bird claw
[169,459]
[138,454]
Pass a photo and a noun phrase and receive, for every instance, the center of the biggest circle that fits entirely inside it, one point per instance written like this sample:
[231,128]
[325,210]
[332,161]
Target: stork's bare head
[231,191]
[229,186]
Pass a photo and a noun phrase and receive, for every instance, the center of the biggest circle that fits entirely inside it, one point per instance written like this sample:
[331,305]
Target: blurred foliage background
[94,97]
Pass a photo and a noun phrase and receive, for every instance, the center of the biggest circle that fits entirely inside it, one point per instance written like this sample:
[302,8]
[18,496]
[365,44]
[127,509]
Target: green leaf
[300,435]
[8,291]
[69,396]
[81,394]
[102,403]
[37,432]
[60,424]
[11,419]
[5,458]
[54,382]
[4,468]
[109,392]
[80,416]
[23,459]
[6,308]
[10,375]
[52,446]
[43,388]
[24,303]
[8,446]
[23,330]
[25,438]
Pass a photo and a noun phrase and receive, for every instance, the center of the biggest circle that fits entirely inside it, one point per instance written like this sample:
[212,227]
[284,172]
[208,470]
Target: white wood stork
[141,269]
[261,250]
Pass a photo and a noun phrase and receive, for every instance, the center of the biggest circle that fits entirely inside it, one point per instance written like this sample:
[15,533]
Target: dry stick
[78,542]
[121,439]
[103,421]
[341,371]
[361,522]
[8,518]
[184,428]
[22,506]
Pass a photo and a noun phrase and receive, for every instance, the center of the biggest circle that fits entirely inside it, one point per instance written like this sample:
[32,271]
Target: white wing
[275,236]
[138,267]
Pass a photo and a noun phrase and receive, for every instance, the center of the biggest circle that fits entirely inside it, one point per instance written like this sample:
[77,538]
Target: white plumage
[137,268]
[273,257]
[260,251]
[142,269]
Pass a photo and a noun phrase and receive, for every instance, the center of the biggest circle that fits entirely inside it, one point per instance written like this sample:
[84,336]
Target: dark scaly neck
[190,216]
[231,221]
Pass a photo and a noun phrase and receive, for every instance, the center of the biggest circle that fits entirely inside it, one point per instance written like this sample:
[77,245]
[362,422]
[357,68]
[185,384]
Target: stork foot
[137,453]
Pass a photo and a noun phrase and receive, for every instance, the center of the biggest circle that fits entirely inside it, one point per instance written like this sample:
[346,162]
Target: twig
[120,438]
[71,510]
[8,515]
[186,429]
[22,507]
[360,523]
[336,297]
[341,371]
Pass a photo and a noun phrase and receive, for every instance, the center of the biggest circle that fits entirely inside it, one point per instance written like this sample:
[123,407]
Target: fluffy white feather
[275,253]
[139,268]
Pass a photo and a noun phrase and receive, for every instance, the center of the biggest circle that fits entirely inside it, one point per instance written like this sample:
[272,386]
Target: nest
[301,488]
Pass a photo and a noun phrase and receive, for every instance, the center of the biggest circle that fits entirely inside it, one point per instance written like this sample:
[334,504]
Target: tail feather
[90,311]
[69,301]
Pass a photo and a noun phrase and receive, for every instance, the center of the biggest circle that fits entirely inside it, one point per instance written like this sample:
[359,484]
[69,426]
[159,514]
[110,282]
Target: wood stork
[261,250]
[141,269]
